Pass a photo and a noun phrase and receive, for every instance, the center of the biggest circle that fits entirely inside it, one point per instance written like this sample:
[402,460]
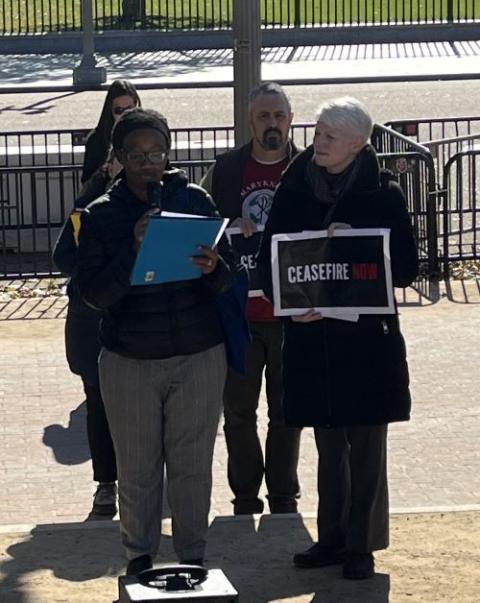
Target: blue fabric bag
[231,309]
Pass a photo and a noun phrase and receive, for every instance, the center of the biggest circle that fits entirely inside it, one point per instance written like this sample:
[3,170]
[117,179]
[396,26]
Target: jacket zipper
[385,328]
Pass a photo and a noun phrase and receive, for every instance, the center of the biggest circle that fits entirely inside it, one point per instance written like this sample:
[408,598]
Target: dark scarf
[329,188]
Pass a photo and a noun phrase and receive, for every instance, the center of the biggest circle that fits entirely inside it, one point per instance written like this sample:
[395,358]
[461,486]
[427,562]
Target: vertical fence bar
[450,11]
[474,197]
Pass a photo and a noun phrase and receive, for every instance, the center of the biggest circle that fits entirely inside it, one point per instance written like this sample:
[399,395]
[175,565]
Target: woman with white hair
[346,379]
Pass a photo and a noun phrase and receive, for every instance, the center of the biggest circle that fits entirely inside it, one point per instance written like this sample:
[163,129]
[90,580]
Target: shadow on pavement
[69,444]
[71,555]
[423,292]
[257,559]
[42,106]
[434,557]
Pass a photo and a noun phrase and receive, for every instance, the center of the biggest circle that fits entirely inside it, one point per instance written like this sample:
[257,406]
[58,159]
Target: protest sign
[347,274]
[247,249]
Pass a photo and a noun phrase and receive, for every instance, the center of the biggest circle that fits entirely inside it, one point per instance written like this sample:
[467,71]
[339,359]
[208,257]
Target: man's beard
[272,139]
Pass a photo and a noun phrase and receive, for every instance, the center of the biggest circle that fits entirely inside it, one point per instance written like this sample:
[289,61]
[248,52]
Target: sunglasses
[155,157]
[121,110]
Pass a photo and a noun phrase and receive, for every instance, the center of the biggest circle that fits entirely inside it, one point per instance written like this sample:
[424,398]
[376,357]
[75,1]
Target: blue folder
[168,245]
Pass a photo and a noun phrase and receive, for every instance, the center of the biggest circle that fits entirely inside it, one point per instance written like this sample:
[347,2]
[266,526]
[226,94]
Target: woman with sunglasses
[82,323]
[162,364]
[100,165]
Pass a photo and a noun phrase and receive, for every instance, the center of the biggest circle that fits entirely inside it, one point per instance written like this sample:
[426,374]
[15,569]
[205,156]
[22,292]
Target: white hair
[347,114]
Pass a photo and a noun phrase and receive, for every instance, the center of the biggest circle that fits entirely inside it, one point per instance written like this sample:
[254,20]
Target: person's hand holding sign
[336,226]
[247,227]
[310,316]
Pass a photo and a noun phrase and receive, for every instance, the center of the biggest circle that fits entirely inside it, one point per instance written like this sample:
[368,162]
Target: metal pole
[87,73]
[247,49]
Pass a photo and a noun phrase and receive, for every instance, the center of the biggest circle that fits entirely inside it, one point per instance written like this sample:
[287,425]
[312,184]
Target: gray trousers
[352,488]
[164,413]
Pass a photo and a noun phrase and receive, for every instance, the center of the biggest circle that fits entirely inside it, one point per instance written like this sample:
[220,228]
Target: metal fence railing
[460,207]
[442,136]
[413,165]
[40,179]
[454,144]
[39,16]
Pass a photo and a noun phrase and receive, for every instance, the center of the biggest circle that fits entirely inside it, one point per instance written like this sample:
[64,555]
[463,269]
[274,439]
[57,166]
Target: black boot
[139,564]
[318,556]
[358,566]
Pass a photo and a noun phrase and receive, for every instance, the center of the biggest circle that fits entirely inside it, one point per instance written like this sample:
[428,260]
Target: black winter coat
[82,344]
[338,373]
[148,321]
[96,153]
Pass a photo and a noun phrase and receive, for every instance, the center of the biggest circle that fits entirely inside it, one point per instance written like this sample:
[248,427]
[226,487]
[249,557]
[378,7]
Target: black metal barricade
[453,143]
[40,173]
[413,165]
[34,202]
[442,136]
[460,207]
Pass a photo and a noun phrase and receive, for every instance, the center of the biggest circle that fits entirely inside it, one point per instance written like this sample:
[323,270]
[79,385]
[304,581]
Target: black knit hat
[138,119]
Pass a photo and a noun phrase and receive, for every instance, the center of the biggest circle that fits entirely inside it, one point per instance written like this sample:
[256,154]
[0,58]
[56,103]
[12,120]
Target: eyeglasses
[121,110]
[154,157]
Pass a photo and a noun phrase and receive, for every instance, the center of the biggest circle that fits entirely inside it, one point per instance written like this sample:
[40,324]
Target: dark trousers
[352,488]
[246,466]
[99,439]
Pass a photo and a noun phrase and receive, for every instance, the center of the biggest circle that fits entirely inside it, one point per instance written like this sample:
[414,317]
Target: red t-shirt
[256,196]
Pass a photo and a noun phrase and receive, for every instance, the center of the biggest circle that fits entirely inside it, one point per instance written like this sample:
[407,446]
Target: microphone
[154,194]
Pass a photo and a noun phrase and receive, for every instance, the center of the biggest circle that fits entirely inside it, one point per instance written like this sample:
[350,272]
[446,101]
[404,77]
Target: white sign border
[340,311]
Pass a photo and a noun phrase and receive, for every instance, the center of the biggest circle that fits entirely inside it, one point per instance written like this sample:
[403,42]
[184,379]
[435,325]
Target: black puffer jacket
[81,327]
[339,373]
[150,321]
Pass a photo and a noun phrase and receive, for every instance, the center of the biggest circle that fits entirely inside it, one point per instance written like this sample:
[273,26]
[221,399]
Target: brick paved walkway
[44,466]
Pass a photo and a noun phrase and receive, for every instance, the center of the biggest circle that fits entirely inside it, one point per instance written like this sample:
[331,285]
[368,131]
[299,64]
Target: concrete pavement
[302,64]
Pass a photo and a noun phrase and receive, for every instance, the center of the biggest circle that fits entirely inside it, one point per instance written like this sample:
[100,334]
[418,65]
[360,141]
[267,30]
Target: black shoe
[139,564]
[105,499]
[318,556]
[248,507]
[198,561]
[358,566]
